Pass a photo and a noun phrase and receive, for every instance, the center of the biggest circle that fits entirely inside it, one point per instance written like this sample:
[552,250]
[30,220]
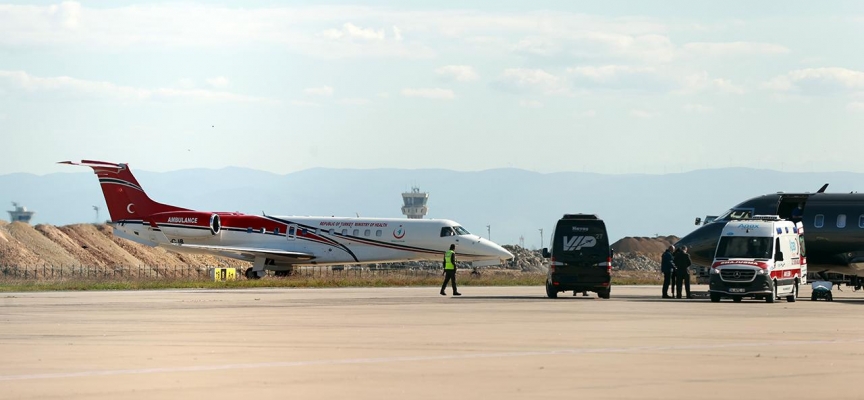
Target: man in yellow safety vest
[450,270]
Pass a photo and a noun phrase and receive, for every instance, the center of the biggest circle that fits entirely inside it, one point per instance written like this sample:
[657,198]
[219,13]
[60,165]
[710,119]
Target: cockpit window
[735,214]
[453,231]
[461,231]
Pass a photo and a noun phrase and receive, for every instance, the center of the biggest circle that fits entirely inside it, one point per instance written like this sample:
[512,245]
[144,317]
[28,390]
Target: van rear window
[580,239]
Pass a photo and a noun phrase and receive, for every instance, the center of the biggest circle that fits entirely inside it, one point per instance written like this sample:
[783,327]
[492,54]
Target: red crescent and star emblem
[399,232]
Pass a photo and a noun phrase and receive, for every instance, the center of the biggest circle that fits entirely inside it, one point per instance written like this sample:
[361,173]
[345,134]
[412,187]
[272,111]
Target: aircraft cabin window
[819,221]
[841,221]
[356,232]
[367,232]
[344,232]
[304,231]
[378,233]
[446,231]
[276,231]
[861,221]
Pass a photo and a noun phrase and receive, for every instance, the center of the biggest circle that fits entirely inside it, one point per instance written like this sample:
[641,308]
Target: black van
[580,259]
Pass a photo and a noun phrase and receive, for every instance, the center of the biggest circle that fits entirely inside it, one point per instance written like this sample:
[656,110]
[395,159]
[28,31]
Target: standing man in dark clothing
[682,273]
[450,270]
[667,267]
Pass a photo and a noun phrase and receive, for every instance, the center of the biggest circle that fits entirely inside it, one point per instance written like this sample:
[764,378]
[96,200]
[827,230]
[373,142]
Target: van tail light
[551,264]
[609,264]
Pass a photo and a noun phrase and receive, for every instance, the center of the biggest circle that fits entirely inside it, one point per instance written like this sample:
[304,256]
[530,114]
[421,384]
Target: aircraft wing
[240,253]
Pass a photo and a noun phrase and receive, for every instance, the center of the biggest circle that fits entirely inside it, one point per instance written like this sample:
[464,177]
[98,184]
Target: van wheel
[605,293]
[813,297]
[829,297]
[551,292]
[737,299]
[715,297]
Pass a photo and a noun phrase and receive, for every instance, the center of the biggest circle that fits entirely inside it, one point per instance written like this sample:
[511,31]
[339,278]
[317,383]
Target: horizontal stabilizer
[241,253]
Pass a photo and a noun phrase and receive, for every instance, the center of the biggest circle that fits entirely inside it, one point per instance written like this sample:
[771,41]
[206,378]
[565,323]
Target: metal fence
[49,272]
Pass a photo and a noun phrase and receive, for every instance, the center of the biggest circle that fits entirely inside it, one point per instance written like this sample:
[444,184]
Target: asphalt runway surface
[411,343]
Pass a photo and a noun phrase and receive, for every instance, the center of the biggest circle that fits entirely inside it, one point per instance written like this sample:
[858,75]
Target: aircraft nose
[495,250]
[702,242]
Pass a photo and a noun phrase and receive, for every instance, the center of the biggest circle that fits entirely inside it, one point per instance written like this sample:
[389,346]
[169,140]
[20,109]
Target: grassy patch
[432,279]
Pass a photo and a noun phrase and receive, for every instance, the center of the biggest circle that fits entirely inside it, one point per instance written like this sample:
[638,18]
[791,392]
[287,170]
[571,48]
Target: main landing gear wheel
[250,274]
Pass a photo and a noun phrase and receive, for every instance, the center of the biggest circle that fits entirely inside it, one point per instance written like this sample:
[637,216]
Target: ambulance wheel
[605,293]
[250,274]
[551,292]
[737,299]
[791,298]
[813,297]
[715,297]
[770,298]
[829,297]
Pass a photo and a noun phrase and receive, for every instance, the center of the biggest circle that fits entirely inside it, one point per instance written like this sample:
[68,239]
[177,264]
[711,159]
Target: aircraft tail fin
[124,196]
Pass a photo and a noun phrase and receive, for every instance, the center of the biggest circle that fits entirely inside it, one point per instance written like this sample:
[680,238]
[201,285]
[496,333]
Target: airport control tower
[20,214]
[414,203]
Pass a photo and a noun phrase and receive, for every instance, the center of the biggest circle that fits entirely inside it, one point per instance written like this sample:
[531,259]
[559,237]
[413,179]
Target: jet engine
[187,224]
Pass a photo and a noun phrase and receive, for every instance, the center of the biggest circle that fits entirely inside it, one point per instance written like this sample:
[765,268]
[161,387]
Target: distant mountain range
[512,202]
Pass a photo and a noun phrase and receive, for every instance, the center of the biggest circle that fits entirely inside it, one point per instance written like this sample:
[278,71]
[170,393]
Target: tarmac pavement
[411,343]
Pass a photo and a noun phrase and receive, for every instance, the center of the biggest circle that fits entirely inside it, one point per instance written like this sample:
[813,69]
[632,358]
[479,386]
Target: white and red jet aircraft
[281,243]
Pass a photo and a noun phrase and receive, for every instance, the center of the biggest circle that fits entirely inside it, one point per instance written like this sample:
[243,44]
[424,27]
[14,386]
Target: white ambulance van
[761,258]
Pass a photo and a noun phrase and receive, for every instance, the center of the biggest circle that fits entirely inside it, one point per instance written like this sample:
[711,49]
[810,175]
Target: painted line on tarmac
[383,360]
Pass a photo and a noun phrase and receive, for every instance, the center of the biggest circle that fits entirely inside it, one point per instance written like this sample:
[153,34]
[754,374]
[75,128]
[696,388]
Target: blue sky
[610,87]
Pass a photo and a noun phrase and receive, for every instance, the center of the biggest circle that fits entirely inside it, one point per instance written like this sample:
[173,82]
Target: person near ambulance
[667,267]
[682,273]
[450,270]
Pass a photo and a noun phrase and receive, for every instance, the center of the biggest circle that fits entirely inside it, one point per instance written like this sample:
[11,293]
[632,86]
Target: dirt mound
[650,246]
[35,247]
[90,245]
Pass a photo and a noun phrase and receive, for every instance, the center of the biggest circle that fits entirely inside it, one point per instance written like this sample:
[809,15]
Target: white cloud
[701,82]
[351,31]
[355,101]
[587,114]
[429,93]
[698,108]
[462,73]
[856,106]
[303,103]
[319,91]
[219,82]
[397,33]
[818,81]
[620,77]
[522,80]
[384,95]
[642,113]
[64,85]
[537,46]
[728,49]
[530,104]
